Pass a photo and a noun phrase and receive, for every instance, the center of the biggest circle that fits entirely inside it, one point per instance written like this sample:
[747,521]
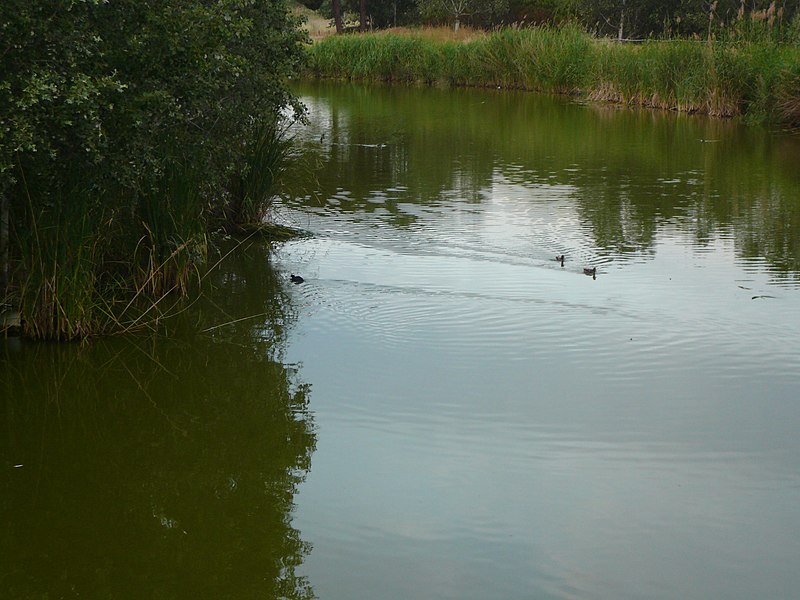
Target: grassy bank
[756,79]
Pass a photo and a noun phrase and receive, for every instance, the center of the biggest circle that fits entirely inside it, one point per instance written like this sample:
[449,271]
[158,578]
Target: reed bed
[758,79]
[59,257]
[90,260]
[171,225]
[86,269]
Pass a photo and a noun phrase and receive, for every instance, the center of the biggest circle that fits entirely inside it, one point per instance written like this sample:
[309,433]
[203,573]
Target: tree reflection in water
[627,172]
[160,467]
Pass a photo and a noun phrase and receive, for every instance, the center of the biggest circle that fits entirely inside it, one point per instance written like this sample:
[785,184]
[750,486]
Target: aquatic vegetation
[258,180]
[72,277]
[736,75]
[540,58]
[60,251]
[788,95]
[172,227]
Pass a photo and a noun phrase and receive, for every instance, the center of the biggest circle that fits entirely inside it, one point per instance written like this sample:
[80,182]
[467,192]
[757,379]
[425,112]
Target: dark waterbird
[296,279]
[592,272]
[560,259]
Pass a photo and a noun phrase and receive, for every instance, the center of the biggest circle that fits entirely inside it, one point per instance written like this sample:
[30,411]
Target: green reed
[85,263]
[788,95]
[172,241]
[737,74]
[59,258]
[540,58]
[670,75]
[89,260]
[261,175]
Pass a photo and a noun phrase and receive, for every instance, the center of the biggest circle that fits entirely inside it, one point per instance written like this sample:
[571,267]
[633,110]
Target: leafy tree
[107,83]
[391,13]
[456,11]
[624,18]
[537,11]
[382,13]
[110,99]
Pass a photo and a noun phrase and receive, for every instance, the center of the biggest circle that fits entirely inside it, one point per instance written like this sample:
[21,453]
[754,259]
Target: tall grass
[788,95]
[60,252]
[172,240]
[739,74]
[261,176]
[542,59]
[82,272]
[674,75]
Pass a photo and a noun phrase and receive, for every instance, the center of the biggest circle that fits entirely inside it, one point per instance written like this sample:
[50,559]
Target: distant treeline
[744,74]
[617,18]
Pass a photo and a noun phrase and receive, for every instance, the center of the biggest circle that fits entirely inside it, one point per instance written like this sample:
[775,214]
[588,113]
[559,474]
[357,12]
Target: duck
[560,259]
[592,272]
[296,279]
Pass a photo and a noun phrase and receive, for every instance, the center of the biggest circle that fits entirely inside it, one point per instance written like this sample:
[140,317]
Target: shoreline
[758,81]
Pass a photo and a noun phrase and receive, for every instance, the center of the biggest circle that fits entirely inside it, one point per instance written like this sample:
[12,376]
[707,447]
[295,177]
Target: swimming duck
[592,272]
[560,259]
[297,279]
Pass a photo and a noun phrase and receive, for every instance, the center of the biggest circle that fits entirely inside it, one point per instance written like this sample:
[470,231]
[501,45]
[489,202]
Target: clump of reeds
[82,267]
[788,95]
[92,259]
[261,174]
[384,57]
[61,251]
[669,75]
[537,58]
[172,243]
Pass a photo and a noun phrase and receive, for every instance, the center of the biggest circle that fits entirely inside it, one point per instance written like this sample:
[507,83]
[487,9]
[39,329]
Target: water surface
[494,425]
[157,466]
[442,410]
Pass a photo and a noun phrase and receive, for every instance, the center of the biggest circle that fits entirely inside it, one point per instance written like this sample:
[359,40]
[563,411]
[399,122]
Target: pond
[492,424]
[442,409]
[159,467]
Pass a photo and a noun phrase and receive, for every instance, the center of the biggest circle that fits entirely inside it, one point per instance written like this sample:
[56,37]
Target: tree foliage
[391,13]
[630,18]
[112,85]
[115,112]
[457,11]
[645,18]
[379,13]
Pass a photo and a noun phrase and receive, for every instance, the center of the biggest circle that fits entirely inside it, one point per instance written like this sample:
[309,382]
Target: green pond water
[443,410]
